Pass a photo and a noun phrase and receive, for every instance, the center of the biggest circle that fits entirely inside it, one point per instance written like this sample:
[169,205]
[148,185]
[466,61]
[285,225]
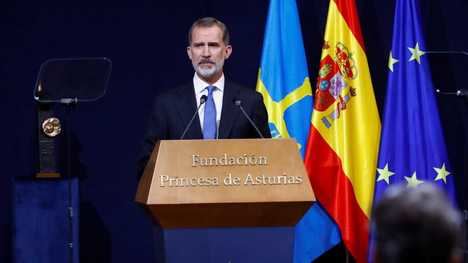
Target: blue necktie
[209,121]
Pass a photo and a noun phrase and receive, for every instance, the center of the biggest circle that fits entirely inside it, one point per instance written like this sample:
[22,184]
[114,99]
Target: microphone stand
[238,103]
[202,101]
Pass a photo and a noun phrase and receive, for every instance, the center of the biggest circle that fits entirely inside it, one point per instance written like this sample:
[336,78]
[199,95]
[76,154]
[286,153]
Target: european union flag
[412,149]
[284,83]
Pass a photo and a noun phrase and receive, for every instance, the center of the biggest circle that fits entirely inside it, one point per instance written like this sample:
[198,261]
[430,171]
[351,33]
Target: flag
[283,80]
[341,155]
[412,149]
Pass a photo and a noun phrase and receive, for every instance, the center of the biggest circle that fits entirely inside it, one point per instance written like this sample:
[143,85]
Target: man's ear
[189,53]
[227,51]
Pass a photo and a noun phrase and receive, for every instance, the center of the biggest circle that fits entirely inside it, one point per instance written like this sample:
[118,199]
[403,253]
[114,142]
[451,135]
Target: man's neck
[212,79]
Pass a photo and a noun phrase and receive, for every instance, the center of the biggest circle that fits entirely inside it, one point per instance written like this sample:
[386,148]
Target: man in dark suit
[219,116]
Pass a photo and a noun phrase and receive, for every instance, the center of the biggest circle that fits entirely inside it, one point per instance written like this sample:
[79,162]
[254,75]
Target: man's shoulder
[242,91]
[240,88]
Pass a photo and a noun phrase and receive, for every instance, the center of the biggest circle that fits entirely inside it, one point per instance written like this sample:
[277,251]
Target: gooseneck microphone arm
[202,101]
[459,92]
[238,103]
[453,52]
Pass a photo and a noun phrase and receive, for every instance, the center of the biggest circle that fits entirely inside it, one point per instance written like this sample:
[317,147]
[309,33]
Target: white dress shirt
[200,87]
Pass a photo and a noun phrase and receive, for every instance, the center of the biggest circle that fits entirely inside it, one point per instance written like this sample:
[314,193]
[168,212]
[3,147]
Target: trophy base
[48,175]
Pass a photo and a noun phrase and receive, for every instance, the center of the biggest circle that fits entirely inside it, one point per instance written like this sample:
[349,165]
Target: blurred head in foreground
[416,225]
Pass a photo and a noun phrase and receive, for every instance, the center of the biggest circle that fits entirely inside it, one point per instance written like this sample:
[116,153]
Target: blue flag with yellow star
[412,149]
[283,81]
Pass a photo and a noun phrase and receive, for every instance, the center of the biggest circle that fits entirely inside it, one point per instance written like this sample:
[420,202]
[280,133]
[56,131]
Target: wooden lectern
[225,183]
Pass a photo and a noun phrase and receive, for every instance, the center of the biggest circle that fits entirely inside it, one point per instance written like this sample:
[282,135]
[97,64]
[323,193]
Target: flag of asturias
[342,151]
[284,83]
[412,149]
[283,78]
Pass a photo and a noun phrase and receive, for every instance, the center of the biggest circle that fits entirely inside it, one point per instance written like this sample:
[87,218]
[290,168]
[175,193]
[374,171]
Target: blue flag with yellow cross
[283,80]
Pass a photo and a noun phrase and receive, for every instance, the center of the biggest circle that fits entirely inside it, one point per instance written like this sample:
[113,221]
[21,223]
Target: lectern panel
[211,183]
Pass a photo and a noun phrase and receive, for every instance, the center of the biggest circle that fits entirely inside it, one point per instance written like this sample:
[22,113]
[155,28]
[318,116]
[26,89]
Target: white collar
[200,84]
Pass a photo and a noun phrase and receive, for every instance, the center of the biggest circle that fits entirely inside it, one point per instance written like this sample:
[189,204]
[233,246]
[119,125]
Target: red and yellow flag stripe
[343,142]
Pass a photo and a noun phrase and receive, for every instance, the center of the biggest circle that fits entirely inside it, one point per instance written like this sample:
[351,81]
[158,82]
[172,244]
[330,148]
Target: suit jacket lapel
[186,108]
[229,112]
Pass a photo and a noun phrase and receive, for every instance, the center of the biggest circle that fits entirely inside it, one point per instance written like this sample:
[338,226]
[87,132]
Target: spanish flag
[343,142]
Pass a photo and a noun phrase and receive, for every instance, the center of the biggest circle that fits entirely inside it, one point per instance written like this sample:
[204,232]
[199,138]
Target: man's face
[208,52]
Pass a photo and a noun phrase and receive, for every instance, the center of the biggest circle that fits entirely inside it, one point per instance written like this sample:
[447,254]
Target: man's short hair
[416,225]
[209,22]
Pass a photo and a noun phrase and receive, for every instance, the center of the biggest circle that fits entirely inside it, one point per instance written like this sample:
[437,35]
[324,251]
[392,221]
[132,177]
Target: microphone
[238,103]
[202,101]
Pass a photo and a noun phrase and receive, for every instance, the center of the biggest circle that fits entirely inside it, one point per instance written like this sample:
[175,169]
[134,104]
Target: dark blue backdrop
[146,41]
